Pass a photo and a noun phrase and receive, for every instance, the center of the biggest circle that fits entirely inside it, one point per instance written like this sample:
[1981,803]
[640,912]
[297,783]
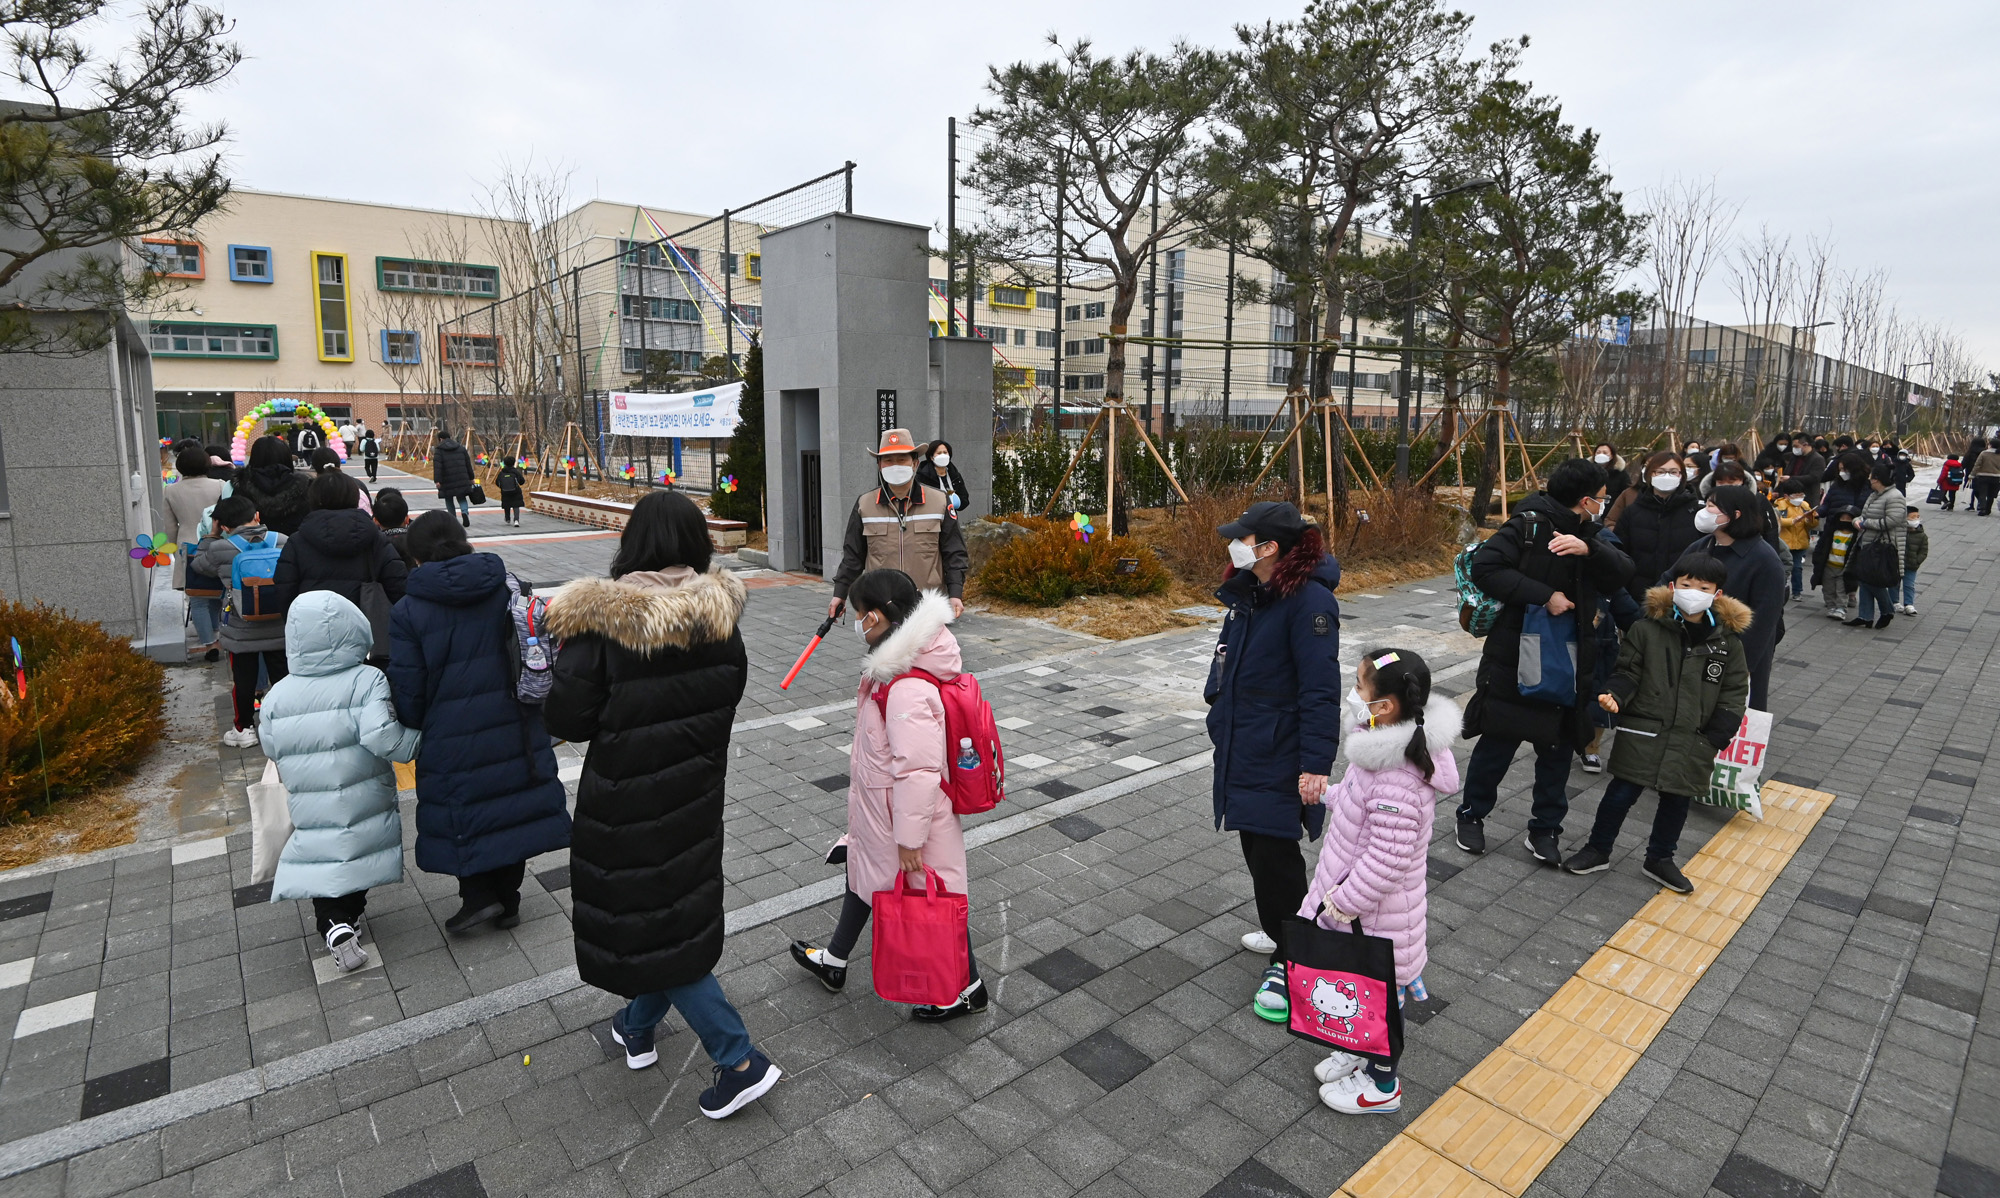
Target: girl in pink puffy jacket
[1378,831]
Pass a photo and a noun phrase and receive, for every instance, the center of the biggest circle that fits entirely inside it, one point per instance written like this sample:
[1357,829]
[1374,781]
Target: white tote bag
[1739,767]
[270,823]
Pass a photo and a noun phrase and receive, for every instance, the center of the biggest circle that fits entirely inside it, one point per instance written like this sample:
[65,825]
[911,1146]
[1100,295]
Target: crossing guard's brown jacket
[919,536]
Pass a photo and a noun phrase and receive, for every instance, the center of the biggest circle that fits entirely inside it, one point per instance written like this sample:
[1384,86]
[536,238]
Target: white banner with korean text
[712,413]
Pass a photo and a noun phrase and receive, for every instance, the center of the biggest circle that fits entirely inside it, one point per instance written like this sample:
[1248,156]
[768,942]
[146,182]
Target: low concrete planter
[608,513]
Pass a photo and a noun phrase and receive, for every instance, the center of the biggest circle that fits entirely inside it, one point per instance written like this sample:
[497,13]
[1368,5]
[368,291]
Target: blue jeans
[1799,559]
[464,503]
[1667,821]
[206,616]
[1870,596]
[706,1010]
[1488,764]
[1909,588]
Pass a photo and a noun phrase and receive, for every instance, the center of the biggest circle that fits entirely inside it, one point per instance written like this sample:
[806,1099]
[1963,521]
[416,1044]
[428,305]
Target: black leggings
[854,912]
[243,674]
[345,909]
[1278,878]
[502,885]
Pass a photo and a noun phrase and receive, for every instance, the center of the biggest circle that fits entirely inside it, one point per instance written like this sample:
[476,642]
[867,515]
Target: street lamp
[1792,368]
[1410,321]
[1903,396]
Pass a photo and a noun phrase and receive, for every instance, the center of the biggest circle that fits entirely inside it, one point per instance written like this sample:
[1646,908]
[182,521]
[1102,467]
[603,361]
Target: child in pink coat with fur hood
[1378,834]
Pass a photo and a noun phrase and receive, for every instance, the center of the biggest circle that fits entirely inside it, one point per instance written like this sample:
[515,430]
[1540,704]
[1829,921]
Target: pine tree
[746,451]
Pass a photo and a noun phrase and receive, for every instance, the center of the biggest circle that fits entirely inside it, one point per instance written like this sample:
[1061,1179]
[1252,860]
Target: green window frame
[209,339]
[426,277]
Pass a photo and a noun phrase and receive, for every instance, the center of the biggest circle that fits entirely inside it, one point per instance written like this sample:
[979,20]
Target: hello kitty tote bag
[1342,988]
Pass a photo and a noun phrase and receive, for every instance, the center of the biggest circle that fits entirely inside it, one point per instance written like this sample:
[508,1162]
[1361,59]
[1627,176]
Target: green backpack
[1477,610]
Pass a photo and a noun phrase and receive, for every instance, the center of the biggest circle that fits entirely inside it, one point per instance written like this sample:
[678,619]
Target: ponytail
[1405,677]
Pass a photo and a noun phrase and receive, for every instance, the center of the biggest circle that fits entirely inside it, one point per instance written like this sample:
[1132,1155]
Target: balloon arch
[239,444]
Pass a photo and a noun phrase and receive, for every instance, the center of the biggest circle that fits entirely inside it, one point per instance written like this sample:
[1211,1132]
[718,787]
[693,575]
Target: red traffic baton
[824,628]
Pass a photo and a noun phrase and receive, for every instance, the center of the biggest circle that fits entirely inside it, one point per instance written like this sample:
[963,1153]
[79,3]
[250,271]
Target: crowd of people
[373,640]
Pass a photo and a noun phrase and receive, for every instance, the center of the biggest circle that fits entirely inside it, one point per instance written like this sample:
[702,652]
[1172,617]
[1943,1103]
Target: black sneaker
[1667,874]
[1588,860]
[471,914]
[972,1001]
[1472,837]
[638,1046]
[833,977]
[735,1089]
[1886,616]
[1543,845]
[1593,764]
[1857,622]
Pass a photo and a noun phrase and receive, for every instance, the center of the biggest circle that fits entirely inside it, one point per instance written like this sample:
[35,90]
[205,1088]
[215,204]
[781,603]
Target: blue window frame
[249,263]
[401,347]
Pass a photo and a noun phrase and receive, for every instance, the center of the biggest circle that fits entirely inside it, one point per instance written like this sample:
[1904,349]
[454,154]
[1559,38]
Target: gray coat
[332,728]
[214,556]
[1886,516]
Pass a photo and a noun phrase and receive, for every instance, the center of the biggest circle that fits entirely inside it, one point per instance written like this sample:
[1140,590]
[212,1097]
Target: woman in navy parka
[1274,714]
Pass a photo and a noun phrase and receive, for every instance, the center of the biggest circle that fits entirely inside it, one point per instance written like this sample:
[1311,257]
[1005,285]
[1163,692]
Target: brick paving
[1833,1048]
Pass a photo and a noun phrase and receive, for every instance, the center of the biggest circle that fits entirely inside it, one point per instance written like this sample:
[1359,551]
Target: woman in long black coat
[1656,526]
[487,793]
[650,672]
[272,483]
[940,471]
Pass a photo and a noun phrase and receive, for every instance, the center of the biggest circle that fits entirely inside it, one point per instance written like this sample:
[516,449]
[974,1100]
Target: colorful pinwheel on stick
[631,472]
[1081,527]
[728,484]
[155,550]
[667,478]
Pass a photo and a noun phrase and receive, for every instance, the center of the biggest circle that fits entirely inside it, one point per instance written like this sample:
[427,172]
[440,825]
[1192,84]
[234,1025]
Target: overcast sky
[1869,123]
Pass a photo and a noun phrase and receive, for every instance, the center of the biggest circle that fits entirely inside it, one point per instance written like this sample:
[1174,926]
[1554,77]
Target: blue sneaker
[735,1089]
[638,1046]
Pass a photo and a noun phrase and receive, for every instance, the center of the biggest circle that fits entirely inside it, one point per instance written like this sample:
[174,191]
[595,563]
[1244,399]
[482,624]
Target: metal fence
[531,374]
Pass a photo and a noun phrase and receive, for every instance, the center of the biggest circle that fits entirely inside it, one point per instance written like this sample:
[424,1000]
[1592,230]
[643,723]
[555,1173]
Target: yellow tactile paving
[1407,1169]
[1649,983]
[1617,1017]
[1651,942]
[1495,1131]
[1575,1052]
[1499,1146]
[1676,914]
[1535,1092]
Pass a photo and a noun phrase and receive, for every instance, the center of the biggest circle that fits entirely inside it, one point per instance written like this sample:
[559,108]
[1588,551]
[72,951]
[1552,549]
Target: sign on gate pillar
[885,410]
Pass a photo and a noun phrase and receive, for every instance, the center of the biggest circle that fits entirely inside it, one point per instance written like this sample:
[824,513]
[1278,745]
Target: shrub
[98,707]
[1051,566]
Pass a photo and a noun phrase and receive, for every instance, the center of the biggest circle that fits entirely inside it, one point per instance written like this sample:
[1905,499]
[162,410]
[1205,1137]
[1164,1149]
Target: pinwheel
[1081,527]
[154,550]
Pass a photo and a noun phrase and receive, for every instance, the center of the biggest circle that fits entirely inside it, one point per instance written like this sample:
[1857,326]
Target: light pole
[1792,370]
[1410,322]
[1903,396]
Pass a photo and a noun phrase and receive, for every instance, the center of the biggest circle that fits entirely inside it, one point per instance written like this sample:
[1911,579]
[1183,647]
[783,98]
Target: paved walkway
[170,1040]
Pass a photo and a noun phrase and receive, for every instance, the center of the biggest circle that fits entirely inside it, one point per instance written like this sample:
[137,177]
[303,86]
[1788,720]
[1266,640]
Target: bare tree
[1689,225]
[534,228]
[1762,272]
[1858,311]
[1811,296]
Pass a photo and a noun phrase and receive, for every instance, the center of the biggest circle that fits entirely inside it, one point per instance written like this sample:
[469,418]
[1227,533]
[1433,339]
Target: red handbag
[919,943]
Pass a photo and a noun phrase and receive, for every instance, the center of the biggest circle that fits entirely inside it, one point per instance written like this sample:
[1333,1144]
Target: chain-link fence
[671,305]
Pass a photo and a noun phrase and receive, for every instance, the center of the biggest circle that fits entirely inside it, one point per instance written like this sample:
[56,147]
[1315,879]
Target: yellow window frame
[753,266]
[320,329]
[993,292]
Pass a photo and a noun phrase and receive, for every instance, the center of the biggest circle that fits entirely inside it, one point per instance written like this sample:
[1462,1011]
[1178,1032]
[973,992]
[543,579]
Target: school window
[1094,311]
[1089,345]
[407,418]
[751,314]
[1010,297]
[940,288]
[659,307]
[1701,355]
[1073,312]
[1020,336]
[471,349]
[1014,376]
[198,340]
[989,332]
[174,259]
[1045,300]
[753,266]
[669,361]
[728,262]
[1045,338]
[330,307]
[402,347]
[1177,264]
[1083,382]
[436,278]
[249,264]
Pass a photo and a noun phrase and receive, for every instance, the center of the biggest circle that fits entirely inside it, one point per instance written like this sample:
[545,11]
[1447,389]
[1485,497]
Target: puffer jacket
[451,469]
[339,551]
[332,730]
[487,791]
[1681,690]
[1885,517]
[1655,530]
[651,669]
[1274,693]
[1378,832]
[1795,522]
[217,556]
[279,493]
[1916,547]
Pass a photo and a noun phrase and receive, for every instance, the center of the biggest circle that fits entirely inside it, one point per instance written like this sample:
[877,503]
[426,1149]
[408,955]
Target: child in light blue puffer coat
[331,727]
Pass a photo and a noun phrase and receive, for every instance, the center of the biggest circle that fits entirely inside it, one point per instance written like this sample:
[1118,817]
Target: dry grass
[100,820]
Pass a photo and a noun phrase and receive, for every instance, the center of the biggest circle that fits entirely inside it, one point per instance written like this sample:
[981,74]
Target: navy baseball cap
[1269,521]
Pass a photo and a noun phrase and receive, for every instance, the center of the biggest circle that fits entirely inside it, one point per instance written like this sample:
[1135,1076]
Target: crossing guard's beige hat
[896,440]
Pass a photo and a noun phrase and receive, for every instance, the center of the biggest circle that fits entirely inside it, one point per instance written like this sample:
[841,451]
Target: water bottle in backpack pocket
[976,778]
[530,659]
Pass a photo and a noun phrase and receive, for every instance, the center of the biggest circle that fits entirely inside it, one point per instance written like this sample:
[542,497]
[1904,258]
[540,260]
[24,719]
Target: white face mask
[941,461]
[1358,708]
[1602,459]
[1799,450]
[1707,521]
[1241,555]
[1693,602]
[861,627]
[1916,524]
[1666,482]
[897,476]
[1846,476]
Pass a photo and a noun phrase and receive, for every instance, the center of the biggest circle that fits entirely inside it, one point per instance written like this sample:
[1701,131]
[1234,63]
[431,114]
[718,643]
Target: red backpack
[976,771]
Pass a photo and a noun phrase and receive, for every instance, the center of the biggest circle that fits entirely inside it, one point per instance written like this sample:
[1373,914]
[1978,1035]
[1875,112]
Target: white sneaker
[1356,1094]
[1258,942]
[1836,613]
[240,738]
[346,948]
[1909,609]
[1337,1066]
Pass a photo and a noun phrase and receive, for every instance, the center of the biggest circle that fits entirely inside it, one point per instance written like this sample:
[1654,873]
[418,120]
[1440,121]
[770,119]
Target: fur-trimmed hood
[1733,614]
[917,643]
[645,619]
[1379,749]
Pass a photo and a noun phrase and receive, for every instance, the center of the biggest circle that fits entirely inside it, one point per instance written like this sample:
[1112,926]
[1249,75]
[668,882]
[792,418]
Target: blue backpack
[252,596]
